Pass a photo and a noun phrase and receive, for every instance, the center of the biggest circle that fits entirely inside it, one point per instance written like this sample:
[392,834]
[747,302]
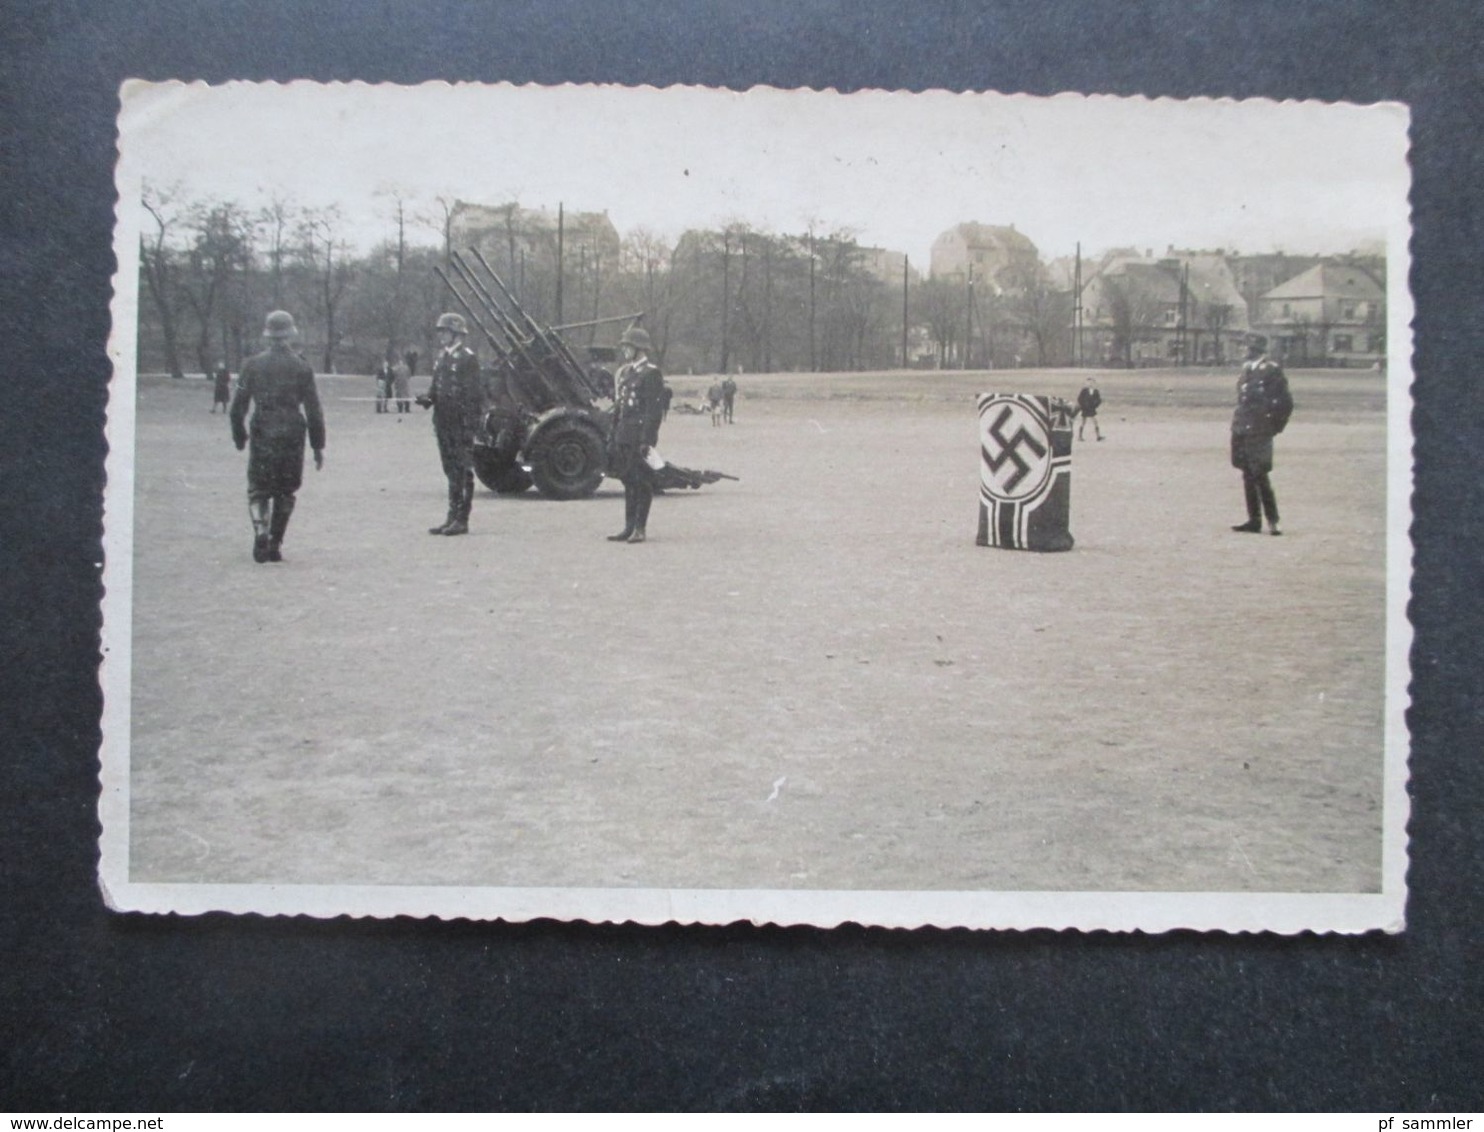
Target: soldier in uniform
[279,384]
[457,400]
[728,398]
[1264,405]
[638,406]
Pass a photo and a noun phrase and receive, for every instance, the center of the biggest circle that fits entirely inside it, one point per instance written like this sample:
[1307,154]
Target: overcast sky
[898,169]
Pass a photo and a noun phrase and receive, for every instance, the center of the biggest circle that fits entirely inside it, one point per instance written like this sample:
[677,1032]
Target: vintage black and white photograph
[634,504]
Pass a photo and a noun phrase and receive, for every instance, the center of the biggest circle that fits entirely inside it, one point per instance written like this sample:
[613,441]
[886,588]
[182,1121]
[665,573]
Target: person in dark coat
[279,385]
[638,407]
[1264,405]
[402,385]
[457,400]
[221,386]
[1088,402]
[728,398]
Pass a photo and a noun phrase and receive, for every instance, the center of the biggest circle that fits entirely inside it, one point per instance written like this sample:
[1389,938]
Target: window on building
[1347,310]
[1375,344]
[1344,344]
[1286,311]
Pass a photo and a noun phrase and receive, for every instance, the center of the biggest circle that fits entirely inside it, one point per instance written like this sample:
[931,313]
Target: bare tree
[220,251]
[939,308]
[276,222]
[1216,316]
[1136,312]
[157,266]
[325,255]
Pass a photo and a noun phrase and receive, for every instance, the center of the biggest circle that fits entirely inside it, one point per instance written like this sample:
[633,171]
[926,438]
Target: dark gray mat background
[109,1012]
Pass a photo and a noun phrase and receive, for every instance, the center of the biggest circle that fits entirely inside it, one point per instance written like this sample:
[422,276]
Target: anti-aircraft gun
[546,425]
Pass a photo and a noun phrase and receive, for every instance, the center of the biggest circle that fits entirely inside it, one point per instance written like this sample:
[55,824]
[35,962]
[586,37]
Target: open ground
[808,679]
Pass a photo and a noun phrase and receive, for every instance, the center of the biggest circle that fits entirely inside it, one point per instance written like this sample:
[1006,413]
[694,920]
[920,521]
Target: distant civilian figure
[665,398]
[457,400]
[221,386]
[638,407]
[383,384]
[279,387]
[728,398]
[1088,402]
[714,397]
[1264,405]
[402,385]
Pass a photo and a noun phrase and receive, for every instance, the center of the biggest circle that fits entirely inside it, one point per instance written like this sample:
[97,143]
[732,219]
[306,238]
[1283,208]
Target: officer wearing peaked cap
[279,385]
[1264,405]
[638,407]
[457,400]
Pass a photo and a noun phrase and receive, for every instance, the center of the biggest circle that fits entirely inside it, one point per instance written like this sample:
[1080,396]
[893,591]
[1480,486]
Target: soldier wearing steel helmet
[638,406]
[457,400]
[1264,405]
[279,385]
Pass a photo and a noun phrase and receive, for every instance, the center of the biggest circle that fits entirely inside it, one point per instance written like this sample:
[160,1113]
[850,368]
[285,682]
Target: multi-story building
[988,251]
[1183,308]
[1331,314]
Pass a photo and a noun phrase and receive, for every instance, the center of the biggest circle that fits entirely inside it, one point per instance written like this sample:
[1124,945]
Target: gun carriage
[547,424]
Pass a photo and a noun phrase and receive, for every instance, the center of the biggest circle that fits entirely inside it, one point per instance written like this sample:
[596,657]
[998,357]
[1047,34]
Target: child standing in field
[1087,404]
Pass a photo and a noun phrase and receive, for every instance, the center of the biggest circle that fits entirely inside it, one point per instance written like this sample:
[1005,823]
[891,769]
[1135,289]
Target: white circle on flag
[1015,449]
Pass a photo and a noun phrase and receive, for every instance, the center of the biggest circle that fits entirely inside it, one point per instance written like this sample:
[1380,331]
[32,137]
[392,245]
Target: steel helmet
[454,322]
[279,324]
[637,337]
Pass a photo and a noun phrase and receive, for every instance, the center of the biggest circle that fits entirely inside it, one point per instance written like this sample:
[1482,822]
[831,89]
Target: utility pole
[1184,306]
[560,237]
[1077,308]
[813,360]
[906,364]
[969,319]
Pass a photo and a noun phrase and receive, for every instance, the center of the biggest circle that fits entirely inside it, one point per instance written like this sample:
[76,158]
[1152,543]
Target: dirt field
[810,679]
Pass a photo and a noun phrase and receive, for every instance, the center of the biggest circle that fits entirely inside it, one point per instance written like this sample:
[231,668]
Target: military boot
[283,507]
[257,511]
[460,524]
[641,514]
[628,518]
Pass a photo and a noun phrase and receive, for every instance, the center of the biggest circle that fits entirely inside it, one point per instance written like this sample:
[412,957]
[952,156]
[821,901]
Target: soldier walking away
[728,397]
[221,386]
[638,407]
[279,385]
[714,397]
[1088,401]
[457,400]
[1264,405]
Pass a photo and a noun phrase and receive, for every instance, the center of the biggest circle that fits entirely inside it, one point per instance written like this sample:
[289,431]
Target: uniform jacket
[639,404]
[1088,401]
[280,386]
[457,393]
[1264,403]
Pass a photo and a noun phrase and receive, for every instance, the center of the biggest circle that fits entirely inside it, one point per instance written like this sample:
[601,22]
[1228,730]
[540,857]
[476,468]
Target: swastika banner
[1025,472]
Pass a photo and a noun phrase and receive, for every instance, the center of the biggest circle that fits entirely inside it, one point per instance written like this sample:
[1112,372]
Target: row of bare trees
[735,297]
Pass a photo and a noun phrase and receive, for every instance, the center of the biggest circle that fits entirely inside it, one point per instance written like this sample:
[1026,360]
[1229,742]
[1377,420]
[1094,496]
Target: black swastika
[1010,449]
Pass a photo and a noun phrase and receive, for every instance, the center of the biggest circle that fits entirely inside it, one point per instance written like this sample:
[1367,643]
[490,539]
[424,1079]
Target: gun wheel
[567,460]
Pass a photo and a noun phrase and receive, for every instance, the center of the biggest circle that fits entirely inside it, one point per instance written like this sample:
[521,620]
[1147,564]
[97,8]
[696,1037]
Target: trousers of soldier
[1259,491]
[456,451]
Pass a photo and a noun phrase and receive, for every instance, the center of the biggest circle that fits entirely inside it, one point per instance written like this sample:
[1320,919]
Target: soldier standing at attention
[1088,401]
[457,399]
[1264,405]
[638,406]
[279,384]
[728,397]
[221,386]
